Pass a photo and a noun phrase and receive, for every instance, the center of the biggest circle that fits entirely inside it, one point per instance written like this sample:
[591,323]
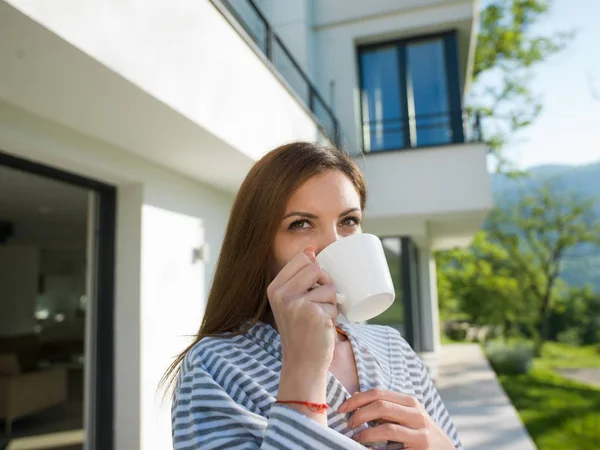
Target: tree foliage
[477,284]
[508,48]
[511,274]
[576,312]
[538,232]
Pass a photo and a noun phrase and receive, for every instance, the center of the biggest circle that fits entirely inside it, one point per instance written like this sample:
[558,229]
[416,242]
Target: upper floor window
[410,93]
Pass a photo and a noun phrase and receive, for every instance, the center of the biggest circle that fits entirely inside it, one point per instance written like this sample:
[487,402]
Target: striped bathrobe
[225,394]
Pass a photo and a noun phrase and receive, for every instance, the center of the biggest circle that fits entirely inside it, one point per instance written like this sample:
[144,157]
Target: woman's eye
[299,224]
[350,222]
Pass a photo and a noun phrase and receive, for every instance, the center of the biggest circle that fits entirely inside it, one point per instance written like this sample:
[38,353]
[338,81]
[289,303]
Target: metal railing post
[269,41]
[478,126]
[311,98]
[336,131]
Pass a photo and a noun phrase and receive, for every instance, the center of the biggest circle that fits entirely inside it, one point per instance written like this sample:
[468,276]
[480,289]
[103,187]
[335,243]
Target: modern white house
[159,108]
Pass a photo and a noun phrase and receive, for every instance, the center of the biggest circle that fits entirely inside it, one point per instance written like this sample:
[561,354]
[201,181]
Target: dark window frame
[453,80]
[101,436]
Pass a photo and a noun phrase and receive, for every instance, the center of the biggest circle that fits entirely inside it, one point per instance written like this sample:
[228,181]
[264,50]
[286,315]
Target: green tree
[543,227]
[508,48]
[577,312]
[477,284]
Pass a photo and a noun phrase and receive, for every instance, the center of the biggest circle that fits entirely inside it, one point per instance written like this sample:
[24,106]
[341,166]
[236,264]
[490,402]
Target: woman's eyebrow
[313,216]
[300,213]
[348,211]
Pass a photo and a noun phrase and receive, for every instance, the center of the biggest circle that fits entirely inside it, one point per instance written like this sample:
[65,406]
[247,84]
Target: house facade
[159,109]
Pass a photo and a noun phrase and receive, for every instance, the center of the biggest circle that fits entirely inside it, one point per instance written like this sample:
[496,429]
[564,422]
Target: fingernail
[356,437]
[310,252]
[343,407]
[356,393]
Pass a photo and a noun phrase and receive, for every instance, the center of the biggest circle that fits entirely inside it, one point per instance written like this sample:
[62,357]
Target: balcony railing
[423,130]
[260,30]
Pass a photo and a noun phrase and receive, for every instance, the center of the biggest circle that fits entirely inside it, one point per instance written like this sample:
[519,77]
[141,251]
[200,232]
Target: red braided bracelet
[320,408]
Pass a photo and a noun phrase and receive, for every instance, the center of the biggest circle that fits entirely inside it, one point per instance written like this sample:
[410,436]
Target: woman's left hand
[402,419]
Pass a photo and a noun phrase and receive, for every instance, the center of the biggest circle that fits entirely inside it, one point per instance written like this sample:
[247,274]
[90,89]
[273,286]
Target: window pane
[380,95]
[325,118]
[427,93]
[394,316]
[285,66]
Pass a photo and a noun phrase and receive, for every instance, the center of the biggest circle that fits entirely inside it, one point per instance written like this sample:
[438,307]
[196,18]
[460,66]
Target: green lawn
[556,355]
[558,413]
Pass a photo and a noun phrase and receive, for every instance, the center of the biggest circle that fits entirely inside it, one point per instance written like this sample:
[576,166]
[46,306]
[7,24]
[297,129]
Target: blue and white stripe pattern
[225,394]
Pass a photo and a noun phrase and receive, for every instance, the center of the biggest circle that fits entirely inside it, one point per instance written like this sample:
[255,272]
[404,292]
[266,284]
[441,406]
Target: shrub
[570,336]
[457,333]
[509,359]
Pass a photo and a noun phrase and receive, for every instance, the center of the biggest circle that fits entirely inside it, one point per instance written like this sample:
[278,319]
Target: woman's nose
[326,238]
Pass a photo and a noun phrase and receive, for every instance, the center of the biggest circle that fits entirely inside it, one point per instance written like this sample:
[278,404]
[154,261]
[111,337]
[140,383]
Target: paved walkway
[589,376]
[483,414]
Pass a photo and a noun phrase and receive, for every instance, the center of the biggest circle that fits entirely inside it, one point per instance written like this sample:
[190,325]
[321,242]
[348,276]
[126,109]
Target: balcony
[411,99]
[427,177]
[440,196]
[425,130]
[258,28]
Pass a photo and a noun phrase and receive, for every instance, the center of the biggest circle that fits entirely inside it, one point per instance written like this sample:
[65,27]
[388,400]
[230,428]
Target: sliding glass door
[57,242]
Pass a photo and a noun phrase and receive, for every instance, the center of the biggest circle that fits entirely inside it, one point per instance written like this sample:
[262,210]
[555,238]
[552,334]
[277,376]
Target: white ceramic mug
[360,274]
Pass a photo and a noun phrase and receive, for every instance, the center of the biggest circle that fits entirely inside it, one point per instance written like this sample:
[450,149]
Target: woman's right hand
[305,317]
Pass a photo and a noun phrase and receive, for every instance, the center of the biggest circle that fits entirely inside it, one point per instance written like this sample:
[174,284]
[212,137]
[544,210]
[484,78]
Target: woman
[270,367]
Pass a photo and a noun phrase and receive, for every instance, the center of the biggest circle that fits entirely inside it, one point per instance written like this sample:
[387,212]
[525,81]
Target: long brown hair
[238,295]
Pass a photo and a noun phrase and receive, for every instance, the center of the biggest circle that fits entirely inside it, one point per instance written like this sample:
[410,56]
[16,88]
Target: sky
[568,128]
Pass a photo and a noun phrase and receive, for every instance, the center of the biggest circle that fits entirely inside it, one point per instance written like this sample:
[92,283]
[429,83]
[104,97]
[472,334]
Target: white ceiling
[44,211]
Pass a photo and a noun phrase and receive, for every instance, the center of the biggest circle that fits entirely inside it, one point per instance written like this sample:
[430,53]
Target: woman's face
[322,210]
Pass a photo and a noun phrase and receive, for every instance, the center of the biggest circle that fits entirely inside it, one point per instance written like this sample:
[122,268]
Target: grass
[558,413]
[556,355]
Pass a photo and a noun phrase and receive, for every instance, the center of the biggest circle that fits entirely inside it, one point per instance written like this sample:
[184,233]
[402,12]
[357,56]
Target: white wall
[173,287]
[339,30]
[160,293]
[431,181]
[331,12]
[128,335]
[172,82]
[19,269]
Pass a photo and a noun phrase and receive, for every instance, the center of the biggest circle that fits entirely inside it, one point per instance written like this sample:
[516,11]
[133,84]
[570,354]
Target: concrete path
[585,375]
[481,410]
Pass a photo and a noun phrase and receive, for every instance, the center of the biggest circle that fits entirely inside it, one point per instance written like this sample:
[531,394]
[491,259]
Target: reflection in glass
[382,115]
[251,21]
[394,316]
[427,91]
